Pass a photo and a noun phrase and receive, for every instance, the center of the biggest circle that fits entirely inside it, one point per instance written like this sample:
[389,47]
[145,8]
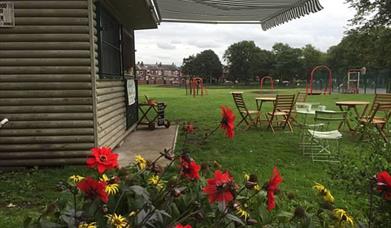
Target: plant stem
[211,133]
[74,208]
[119,200]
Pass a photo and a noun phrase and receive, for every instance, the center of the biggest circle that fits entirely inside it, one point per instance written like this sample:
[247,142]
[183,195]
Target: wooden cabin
[66,77]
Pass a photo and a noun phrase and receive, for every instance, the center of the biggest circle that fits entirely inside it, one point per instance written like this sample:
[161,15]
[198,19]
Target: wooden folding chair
[282,108]
[377,121]
[249,117]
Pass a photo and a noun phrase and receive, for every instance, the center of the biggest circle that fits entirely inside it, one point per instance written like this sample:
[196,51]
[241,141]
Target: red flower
[384,184]
[220,188]
[188,128]
[103,158]
[189,168]
[227,121]
[272,187]
[182,226]
[93,189]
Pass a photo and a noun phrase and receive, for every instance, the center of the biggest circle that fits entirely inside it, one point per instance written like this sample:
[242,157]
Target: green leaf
[234,218]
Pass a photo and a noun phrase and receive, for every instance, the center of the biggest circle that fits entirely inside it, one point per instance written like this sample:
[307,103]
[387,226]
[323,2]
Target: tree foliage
[371,13]
[205,64]
[245,61]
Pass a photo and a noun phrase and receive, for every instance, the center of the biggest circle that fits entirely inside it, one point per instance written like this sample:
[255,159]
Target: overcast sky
[172,42]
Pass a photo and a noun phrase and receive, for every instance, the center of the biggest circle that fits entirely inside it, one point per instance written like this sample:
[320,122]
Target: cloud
[166,46]
[172,42]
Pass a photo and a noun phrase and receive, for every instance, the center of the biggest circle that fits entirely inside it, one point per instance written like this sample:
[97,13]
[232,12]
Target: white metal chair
[324,136]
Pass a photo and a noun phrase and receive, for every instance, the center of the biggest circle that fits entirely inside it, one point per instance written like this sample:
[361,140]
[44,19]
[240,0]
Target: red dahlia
[182,226]
[220,188]
[272,187]
[103,159]
[93,189]
[227,121]
[384,184]
[189,168]
[188,128]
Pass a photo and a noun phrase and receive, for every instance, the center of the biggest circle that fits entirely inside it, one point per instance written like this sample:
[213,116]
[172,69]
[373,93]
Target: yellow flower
[343,217]
[117,221]
[76,179]
[140,162]
[155,180]
[257,188]
[87,225]
[246,177]
[324,192]
[242,213]
[111,186]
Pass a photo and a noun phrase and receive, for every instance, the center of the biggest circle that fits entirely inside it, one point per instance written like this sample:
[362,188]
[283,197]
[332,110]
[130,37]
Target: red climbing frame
[271,82]
[328,87]
[196,84]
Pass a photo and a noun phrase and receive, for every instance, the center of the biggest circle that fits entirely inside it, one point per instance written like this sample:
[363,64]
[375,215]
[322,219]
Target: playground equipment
[196,86]
[329,85]
[271,83]
[352,82]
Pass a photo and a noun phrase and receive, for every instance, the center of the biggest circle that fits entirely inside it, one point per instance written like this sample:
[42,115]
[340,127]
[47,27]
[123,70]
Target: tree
[288,61]
[312,56]
[371,13]
[188,65]
[208,65]
[244,60]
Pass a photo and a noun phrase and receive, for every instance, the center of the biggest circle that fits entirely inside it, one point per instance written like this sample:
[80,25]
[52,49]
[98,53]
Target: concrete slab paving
[147,143]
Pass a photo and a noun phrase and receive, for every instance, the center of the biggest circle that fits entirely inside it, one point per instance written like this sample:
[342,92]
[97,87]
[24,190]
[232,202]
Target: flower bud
[299,212]
[251,221]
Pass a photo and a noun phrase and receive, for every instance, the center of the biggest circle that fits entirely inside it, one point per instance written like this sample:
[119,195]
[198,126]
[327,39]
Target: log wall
[46,88]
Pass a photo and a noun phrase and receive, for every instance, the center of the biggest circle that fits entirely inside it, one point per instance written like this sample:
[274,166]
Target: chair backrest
[380,97]
[330,119]
[381,107]
[284,103]
[301,97]
[239,101]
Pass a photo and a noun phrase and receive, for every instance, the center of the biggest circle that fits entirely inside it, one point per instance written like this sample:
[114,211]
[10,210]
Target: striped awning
[268,13]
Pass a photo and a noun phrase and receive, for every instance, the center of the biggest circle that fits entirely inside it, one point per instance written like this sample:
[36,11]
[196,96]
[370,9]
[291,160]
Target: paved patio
[147,143]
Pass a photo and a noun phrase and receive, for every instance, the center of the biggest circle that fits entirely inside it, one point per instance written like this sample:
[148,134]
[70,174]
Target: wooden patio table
[349,106]
[259,101]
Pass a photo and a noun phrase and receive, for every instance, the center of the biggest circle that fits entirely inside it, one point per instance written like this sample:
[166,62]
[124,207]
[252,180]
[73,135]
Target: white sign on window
[7,14]
[131,88]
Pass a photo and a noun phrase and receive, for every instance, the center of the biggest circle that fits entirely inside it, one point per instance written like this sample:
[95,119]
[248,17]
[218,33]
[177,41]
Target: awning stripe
[301,9]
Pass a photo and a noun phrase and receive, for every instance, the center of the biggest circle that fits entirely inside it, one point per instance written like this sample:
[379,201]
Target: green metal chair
[324,136]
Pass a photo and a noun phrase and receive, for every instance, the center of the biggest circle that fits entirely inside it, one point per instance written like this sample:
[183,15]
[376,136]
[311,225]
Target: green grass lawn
[251,151]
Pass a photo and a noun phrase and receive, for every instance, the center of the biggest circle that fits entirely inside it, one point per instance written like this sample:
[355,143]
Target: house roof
[268,13]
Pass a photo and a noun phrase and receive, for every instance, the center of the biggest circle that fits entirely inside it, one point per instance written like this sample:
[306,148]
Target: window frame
[119,52]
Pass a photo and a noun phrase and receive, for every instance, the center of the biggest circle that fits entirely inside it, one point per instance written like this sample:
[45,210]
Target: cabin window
[116,47]
[110,56]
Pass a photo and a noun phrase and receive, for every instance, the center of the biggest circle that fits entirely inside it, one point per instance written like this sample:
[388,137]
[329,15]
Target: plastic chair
[249,117]
[324,135]
[282,108]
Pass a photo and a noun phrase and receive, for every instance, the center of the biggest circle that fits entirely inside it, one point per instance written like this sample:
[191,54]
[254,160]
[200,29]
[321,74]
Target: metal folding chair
[324,136]
[249,117]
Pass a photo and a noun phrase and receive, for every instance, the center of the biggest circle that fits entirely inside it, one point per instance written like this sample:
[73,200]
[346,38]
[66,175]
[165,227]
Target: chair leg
[270,121]
[380,130]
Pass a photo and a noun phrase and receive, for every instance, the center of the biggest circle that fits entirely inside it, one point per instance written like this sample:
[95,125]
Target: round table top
[351,102]
[312,111]
[266,98]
